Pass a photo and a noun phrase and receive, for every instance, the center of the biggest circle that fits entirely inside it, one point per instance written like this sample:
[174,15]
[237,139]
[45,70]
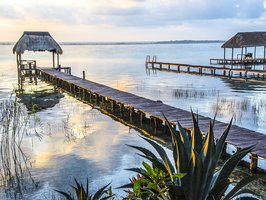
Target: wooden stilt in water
[83,75]
[253,163]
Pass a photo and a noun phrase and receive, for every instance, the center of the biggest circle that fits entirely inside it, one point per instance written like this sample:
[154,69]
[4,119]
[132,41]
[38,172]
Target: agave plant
[82,193]
[197,157]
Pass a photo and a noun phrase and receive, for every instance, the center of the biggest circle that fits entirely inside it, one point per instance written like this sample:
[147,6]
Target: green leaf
[142,172]
[148,169]
[100,192]
[218,151]
[207,156]
[168,165]
[67,196]
[151,157]
[218,191]
[180,175]
[196,135]
[245,181]
[179,151]
[196,176]
[232,162]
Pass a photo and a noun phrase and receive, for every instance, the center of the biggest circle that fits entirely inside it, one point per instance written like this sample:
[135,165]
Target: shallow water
[80,141]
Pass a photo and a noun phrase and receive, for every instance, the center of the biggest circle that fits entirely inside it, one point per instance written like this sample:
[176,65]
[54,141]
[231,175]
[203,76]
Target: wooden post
[83,75]
[57,59]
[232,54]
[264,52]
[255,49]
[112,105]
[253,163]
[224,54]
[131,114]
[53,60]
[241,54]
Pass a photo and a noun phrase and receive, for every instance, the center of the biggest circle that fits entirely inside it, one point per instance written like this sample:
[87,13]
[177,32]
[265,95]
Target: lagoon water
[79,141]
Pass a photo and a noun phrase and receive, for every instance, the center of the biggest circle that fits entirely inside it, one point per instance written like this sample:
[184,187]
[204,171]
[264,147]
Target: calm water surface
[80,141]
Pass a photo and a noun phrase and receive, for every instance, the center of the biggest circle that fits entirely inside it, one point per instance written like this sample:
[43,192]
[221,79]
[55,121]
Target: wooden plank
[238,136]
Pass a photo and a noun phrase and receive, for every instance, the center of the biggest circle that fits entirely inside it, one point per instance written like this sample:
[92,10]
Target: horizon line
[130,42]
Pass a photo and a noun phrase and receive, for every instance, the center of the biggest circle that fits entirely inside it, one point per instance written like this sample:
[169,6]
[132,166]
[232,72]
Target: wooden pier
[250,61]
[241,72]
[144,110]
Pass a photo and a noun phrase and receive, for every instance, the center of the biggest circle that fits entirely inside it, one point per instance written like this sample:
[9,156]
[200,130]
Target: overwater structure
[247,43]
[34,41]
[134,107]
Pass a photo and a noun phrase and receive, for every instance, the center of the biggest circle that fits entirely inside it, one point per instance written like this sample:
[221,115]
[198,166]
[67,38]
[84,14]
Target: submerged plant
[82,192]
[197,158]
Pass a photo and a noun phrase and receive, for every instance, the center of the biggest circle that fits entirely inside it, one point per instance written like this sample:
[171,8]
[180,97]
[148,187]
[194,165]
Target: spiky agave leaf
[207,156]
[196,135]
[237,190]
[67,196]
[181,148]
[168,165]
[218,152]
[232,162]
[151,157]
[99,194]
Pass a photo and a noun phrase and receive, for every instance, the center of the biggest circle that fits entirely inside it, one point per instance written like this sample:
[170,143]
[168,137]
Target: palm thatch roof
[36,41]
[246,39]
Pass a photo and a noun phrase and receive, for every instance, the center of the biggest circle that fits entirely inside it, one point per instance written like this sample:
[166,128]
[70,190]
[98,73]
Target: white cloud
[135,16]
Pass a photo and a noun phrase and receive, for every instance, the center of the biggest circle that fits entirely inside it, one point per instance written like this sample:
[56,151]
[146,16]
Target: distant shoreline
[133,43]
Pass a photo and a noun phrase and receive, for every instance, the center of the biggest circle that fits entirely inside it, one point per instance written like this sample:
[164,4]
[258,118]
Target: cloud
[139,13]
[142,18]
[10,12]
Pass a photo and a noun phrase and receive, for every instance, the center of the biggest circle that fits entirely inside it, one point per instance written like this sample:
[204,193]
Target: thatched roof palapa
[36,41]
[246,39]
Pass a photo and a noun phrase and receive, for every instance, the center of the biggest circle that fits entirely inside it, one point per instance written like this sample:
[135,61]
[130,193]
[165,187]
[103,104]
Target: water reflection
[80,141]
[15,164]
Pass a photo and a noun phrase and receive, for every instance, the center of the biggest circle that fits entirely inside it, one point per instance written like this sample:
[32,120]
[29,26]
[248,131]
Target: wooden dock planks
[245,72]
[238,136]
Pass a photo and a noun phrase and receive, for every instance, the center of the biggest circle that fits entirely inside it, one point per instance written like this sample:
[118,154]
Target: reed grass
[15,175]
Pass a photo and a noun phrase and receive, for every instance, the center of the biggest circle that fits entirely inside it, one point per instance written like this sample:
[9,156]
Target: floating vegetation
[15,176]
[194,93]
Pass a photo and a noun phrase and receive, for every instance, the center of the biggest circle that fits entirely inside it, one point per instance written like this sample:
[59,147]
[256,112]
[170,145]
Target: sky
[131,20]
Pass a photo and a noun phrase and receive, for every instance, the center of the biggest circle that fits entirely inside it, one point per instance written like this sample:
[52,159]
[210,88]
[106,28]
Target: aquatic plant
[82,192]
[14,163]
[197,157]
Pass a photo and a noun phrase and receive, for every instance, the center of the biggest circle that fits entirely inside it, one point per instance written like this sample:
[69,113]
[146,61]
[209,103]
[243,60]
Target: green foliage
[150,183]
[197,158]
[82,193]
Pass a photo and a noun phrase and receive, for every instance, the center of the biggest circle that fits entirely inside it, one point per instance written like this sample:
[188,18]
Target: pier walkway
[141,109]
[245,72]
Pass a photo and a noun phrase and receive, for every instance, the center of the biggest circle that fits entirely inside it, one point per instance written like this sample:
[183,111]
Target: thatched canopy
[246,39]
[36,41]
